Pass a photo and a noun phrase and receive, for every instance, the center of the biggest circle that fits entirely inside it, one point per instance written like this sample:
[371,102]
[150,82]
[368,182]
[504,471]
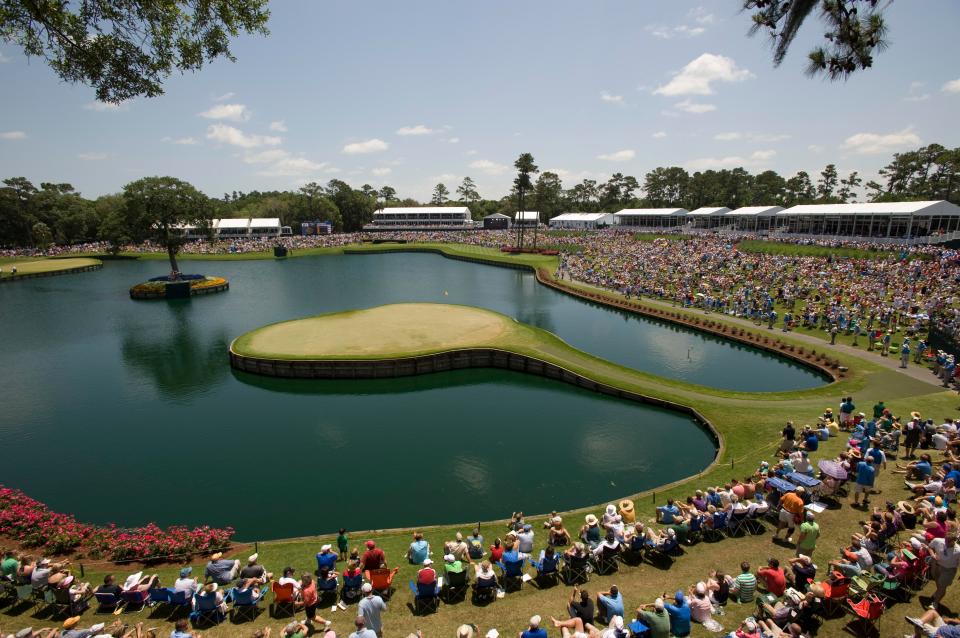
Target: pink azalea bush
[32,524]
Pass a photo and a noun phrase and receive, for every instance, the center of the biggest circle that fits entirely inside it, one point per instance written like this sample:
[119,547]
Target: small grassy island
[47,268]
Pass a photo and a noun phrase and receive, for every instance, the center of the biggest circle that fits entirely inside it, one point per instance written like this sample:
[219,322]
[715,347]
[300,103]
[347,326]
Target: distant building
[875,220]
[708,217]
[527,219]
[496,221]
[238,228]
[422,218]
[582,221]
[651,218]
[753,219]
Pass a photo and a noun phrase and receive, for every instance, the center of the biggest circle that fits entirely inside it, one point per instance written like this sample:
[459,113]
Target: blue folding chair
[206,611]
[512,573]
[159,597]
[327,588]
[485,591]
[245,604]
[548,568]
[426,598]
[351,588]
[696,530]
[179,601]
[718,528]
[107,602]
[662,552]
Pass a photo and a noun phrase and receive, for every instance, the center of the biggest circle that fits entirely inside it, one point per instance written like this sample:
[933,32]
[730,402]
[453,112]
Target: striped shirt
[746,585]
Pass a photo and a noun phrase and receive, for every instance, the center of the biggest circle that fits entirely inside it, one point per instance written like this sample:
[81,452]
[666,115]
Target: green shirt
[810,532]
[455,567]
[747,585]
[9,566]
[658,622]
[878,410]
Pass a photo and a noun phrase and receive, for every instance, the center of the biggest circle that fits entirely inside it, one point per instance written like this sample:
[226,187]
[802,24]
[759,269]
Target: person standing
[904,353]
[865,478]
[371,607]
[809,533]
[946,558]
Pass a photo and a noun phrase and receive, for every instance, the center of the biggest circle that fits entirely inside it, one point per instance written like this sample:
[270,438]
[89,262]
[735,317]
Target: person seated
[747,629]
[458,547]
[745,585]
[802,463]
[212,589]
[580,605]
[9,565]
[769,629]
[655,617]
[668,514]
[635,536]
[516,522]
[557,535]
[475,546]
[326,557]
[288,579]
[783,612]
[811,442]
[577,552]
[75,590]
[661,539]
[772,578]
[610,546]
[418,551]
[610,603]
[373,558]
[485,575]
[41,572]
[512,553]
[427,574]
[854,560]
[254,570]
[525,539]
[718,587]
[802,572]
[496,551]
[109,586]
[701,609]
[932,625]
[295,629]
[534,630]
[590,533]
[140,583]
[220,570]
[451,565]
[615,525]
[737,507]
[699,501]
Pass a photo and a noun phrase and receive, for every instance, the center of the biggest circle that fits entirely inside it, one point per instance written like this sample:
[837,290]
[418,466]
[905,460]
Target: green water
[125,411]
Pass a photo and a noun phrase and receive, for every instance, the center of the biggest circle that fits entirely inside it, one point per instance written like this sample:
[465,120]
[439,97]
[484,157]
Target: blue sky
[412,93]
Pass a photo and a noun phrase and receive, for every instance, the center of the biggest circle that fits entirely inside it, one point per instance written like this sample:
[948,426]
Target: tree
[126,48]
[584,195]
[827,183]
[768,189]
[548,195]
[469,196]
[356,209]
[665,187]
[42,237]
[388,194]
[157,207]
[799,190]
[440,195]
[855,30]
[522,183]
[847,187]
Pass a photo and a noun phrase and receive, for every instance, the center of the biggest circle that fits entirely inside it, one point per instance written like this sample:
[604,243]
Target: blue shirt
[419,551]
[326,559]
[679,618]
[613,605]
[812,442]
[953,474]
[539,632]
[865,474]
[923,468]
[669,513]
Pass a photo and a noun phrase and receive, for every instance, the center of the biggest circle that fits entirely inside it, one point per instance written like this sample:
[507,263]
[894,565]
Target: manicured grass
[748,422]
[29,267]
[778,248]
[649,237]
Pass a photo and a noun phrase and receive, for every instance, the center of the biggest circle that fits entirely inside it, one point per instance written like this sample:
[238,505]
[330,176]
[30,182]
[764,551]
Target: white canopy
[940,207]
[756,211]
[712,212]
[650,212]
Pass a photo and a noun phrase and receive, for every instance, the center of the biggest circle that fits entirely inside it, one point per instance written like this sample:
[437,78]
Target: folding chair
[835,593]
[283,598]
[606,561]
[548,568]
[485,591]
[160,597]
[426,598]
[25,596]
[575,570]
[716,531]
[206,610]
[455,585]
[134,601]
[245,604]
[107,603]
[327,588]
[179,601]
[350,591]
[382,580]
[696,530]
[511,573]
[737,522]
[868,611]
[63,602]
[633,551]
[663,552]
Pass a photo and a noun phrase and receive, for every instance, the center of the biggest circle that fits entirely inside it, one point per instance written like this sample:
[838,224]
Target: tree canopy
[127,48]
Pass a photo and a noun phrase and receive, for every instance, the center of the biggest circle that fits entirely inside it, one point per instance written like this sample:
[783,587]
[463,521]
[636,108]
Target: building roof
[496,216]
[580,217]
[527,215]
[423,209]
[265,222]
[939,207]
[713,212]
[650,212]
[234,222]
[756,211]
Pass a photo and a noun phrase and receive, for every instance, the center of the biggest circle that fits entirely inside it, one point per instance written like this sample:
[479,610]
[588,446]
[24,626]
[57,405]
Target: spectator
[610,603]
[533,630]
[419,550]
[745,585]
[220,570]
[371,608]
[809,533]
[581,606]
[773,578]
[946,558]
[864,482]
[655,617]
[679,614]
[361,629]
[427,575]
[373,558]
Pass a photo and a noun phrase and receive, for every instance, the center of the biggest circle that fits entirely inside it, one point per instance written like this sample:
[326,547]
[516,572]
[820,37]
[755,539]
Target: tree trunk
[172,254]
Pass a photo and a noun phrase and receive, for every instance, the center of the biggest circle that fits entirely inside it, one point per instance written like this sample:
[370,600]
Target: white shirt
[947,557]
[283,581]
[940,441]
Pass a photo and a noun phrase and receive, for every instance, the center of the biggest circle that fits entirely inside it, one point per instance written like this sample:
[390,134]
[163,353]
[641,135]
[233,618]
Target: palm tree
[525,168]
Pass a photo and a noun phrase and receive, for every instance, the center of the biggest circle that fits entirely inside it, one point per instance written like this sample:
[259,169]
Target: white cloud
[953,86]
[699,18]
[224,97]
[697,77]
[369,146]
[610,98]
[488,167]
[266,157]
[754,160]
[815,148]
[700,15]
[293,166]
[231,112]
[618,156]
[916,94]
[445,177]
[573,177]
[183,141]
[471,152]
[92,157]
[381,172]
[279,126]
[419,129]
[731,136]
[13,135]
[877,143]
[696,108]
[229,135]
[452,140]
[102,107]
[659,135]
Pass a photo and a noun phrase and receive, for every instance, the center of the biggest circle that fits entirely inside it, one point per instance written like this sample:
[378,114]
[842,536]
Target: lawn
[29,267]
[749,424]
[778,248]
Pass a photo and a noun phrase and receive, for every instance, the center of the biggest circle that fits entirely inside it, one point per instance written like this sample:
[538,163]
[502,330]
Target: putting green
[47,265]
[405,329]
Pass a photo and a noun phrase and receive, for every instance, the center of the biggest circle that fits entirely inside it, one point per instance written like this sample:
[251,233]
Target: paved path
[918,372]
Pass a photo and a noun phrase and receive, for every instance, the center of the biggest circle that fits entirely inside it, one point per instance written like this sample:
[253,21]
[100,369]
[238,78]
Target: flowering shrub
[208,282]
[32,524]
[158,288]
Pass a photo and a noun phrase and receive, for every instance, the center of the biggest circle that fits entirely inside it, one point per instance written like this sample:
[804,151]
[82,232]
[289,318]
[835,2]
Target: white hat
[658,604]
[617,622]
[366,588]
[449,558]
[750,625]
[534,621]
[427,561]
[252,558]
[97,627]
[326,548]
[493,633]
[701,588]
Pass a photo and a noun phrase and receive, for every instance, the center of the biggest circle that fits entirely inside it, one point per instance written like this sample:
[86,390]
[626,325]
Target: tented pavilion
[709,217]
[421,218]
[582,221]
[753,218]
[878,219]
[651,217]
[527,218]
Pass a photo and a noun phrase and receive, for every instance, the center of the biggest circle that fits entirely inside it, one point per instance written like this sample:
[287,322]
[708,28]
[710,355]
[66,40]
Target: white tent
[582,221]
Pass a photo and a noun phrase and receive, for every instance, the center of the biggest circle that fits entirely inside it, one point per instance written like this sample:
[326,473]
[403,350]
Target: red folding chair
[868,611]
[835,592]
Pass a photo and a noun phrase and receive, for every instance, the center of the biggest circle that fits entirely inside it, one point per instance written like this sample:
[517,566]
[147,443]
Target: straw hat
[626,505]
[464,631]
[216,556]
[590,519]
[915,414]
[71,622]
[906,507]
